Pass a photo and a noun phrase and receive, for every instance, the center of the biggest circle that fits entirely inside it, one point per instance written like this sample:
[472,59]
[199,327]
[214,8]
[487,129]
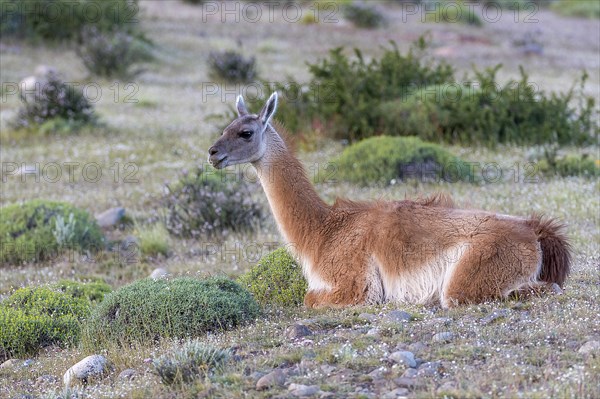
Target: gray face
[243,140]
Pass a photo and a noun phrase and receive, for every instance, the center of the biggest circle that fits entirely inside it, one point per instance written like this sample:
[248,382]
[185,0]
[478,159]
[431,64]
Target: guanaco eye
[245,134]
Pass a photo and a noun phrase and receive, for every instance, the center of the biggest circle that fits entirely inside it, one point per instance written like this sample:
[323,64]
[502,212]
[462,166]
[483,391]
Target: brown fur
[422,251]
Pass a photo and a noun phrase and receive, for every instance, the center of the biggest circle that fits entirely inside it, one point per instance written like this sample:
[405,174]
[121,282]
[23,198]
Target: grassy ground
[531,352]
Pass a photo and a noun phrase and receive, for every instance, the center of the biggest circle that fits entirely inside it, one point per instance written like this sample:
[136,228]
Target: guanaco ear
[269,109]
[241,106]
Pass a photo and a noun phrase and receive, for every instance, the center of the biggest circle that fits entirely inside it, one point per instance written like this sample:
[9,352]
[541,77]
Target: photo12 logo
[326,12]
[69,172]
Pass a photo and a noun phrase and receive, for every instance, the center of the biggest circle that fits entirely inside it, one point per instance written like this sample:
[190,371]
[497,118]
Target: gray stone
[444,336]
[297,331]
[398,316]
[90,367]
[370,317]
[45,380]
[127,375]
[110,217]
[11,363]
[417,347]
[303,390]
[257,375]
[429,369]
[404,382]
[410,373]
[159,273]
[327,369]
[404,357]
[274,378]
[495,315]
[375,332]
[396,393]
[590,348]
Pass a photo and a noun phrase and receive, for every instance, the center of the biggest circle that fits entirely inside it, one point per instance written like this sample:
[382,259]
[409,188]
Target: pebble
[404,382]
[444,336]
[410,373]
[398,316]
[429,369]
[127,374]
[10,363]
[297,331]
[159,273]
[110,217]
[45,380]
[374,332]
[398,392]
[495,315]
[257,375]
[590,348]
[370,317]
[303,390]
[404,357]
[91,366]
[274,378]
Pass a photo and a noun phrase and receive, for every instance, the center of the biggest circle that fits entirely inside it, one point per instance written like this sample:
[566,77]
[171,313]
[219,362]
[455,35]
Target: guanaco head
[244,139]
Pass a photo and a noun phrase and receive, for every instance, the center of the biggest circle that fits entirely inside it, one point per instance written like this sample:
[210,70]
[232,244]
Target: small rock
[91,366]
[274,378]
[445,321]
[27,362]
[370,317]
[410,373]
[378,373]
[45,380]
[303,390]
[327,369]
[404,357]
[374,332]
[127,375]
[297,331]
[130,245]
[10,363]
[590,348]
[257,375]
[429,369]
[444,336]
[417,347]
[398,316]
[159,273]
[446,387]
[110,217]
[398,392]
[404,382]
[495,315]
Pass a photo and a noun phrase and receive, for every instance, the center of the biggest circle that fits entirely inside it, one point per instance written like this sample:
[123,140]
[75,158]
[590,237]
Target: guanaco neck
[299,211]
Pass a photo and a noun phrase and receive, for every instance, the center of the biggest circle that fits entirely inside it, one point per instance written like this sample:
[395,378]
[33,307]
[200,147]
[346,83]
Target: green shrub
[483,112]
[568,165]
[56,107]
[32,318]
[209,202]
[577,8]
[64,19]
[277,279]
[232,66]
[112,54]
[451,11]
[39,230]
[93,291]
[148,310]
[364,16]
[383,159]
[190,361]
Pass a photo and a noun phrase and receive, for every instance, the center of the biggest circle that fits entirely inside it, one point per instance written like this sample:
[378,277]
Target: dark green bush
[32,318]
[39,230]
[190,361]
[56,107]
[364,15]
[148,310]
[210,202]
[232,66]
[93,291]
[402,95]
[384,159]
[484,112]
[64,19]
[112,54]
[277,279]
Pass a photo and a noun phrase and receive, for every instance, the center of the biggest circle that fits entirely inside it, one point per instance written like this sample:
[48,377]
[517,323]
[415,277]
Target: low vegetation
[387,160]
[35,317]
[276,280]
[577,8]
[39,230]
[209,202]
[364,15]
[190,361]
[231,66]
[148,310]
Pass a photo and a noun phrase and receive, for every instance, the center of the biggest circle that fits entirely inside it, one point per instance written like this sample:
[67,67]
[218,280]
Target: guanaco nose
[212,150]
